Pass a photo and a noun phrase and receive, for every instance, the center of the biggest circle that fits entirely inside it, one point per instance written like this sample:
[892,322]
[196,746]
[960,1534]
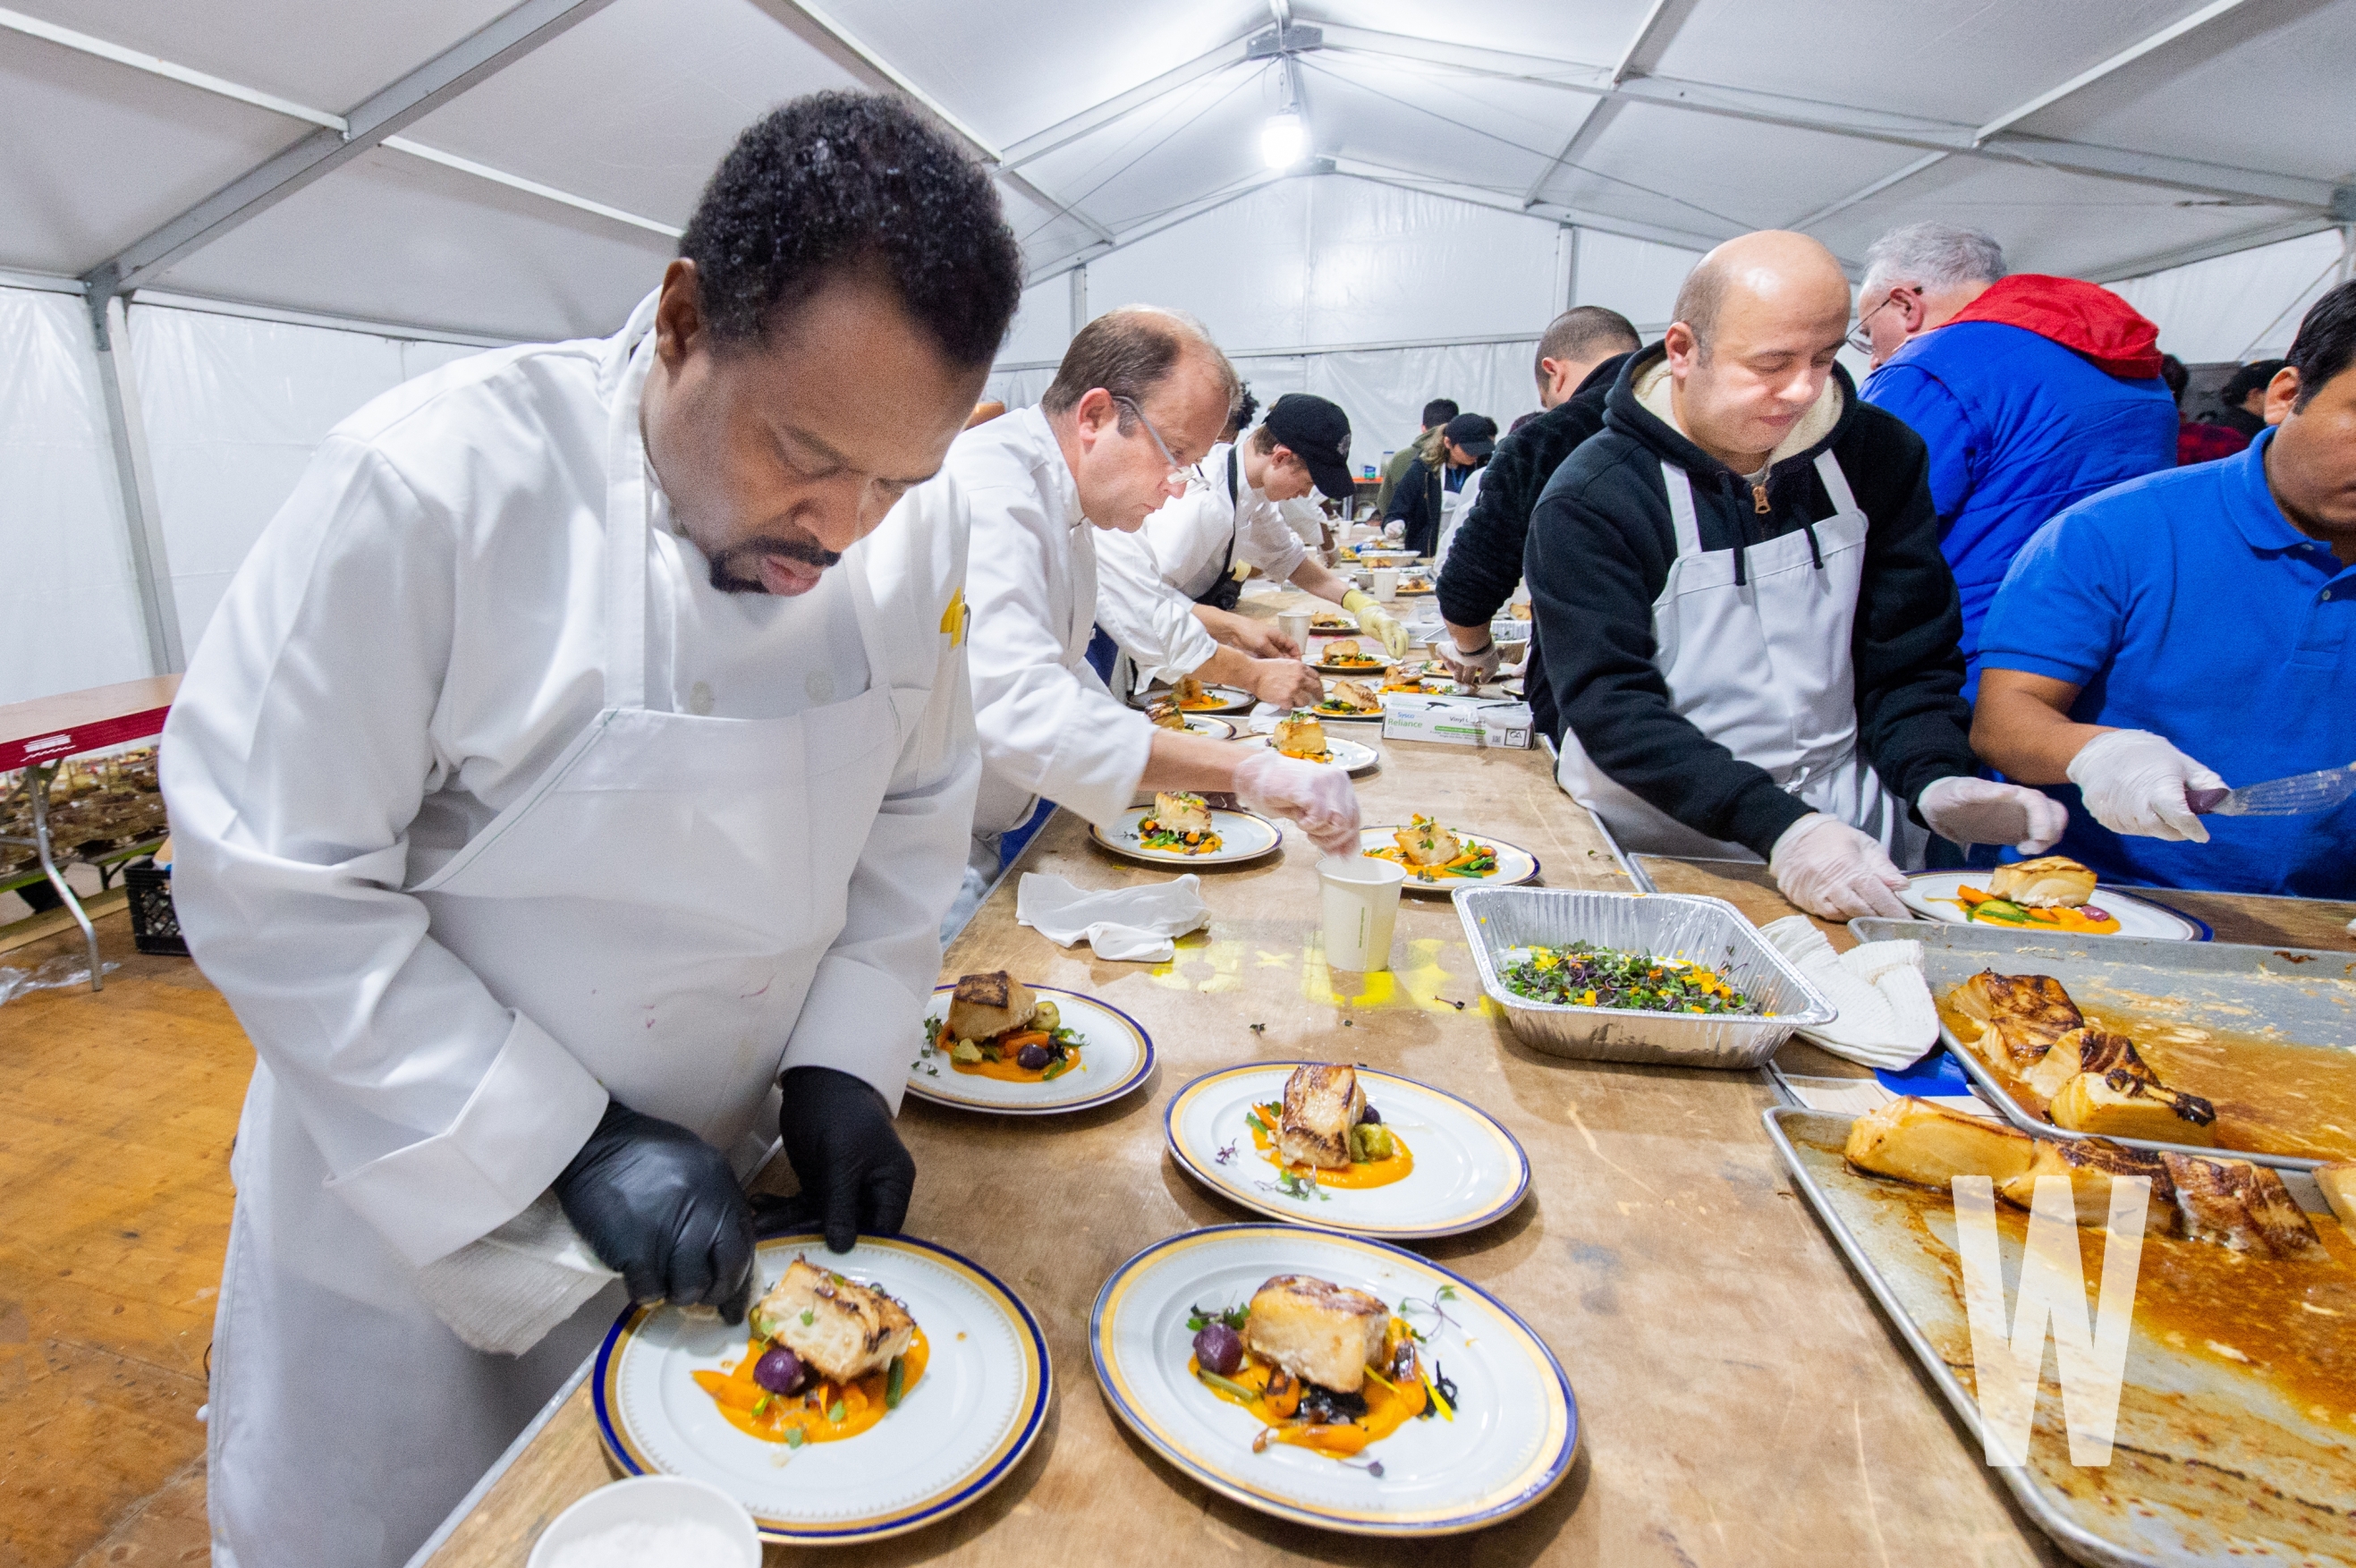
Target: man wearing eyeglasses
[1141,396]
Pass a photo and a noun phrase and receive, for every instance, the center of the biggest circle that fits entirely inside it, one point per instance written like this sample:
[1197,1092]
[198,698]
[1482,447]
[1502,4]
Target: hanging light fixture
[1283,139]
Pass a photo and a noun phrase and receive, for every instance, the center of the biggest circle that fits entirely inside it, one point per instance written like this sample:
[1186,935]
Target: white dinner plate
[1468,1170]
[1217,729]
[1116,1055]
[1931,894]
[1243,836]
[1353,671]
[958,1432]
[1516,1426]
[1355,755]
[1349,624]
[1373,683]
[1516,864]
[1232,700]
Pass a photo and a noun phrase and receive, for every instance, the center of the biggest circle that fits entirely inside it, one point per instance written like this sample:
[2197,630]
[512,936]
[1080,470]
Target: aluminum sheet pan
[1673,925]
[2295,997]
[2212,1464]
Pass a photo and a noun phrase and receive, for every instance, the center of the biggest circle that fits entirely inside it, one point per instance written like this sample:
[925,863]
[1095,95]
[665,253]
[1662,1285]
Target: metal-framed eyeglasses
[1160,444]
[1860,336]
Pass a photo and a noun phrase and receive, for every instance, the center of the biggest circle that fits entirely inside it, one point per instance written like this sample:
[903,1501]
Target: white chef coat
[1189,534]
[416,641]
[1307,521]
[1047,725]
[1155,625]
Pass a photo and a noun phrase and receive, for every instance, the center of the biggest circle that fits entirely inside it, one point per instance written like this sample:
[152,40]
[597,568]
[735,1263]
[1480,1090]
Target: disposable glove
[1980,811]
[2134,781]
[1377,622]
[1287,683]
[1313,794]
[1831,870]
[660,1206]
[855,1173]
[1468,669]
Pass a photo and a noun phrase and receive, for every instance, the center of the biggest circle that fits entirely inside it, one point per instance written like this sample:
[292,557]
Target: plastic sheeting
[234,409]
[2235,308]
[68,604]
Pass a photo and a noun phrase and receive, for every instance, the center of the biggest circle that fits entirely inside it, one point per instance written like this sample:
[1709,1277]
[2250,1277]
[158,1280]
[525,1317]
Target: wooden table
[1742,1403]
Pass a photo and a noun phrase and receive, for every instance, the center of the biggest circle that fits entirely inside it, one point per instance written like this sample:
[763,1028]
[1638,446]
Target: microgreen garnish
[1226,1154]
[809,1316]
[1235,1317]
[1295,1186]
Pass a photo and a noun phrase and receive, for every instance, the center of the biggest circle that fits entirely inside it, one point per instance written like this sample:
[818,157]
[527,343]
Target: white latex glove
[2134,781]
[1468,669]
[1287,683]
[1377,622]
[1316,796]
[1830,869]
[1980,811]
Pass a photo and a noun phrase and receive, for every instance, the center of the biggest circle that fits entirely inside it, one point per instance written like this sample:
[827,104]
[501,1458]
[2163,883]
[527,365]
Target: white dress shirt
[1048,725]
[1189,535]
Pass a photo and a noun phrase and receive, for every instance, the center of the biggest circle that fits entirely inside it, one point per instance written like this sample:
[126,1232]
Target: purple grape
[780,1370]
[1220,1349]
[1031,1059]
[1372,1117]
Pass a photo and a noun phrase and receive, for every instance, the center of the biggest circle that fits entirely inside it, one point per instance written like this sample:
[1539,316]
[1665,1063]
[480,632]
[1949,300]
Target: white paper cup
[1385,580]
[1294,624]
[652,1500]
[1361,899]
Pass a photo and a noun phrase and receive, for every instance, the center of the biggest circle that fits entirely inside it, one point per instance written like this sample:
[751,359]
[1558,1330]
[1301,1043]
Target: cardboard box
[1458,721]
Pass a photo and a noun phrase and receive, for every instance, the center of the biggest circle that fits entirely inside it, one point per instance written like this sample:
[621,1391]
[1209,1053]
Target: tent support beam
[1479,196]
[2223,246]
[1097,117]
[385,114]
[135,479]
[1644,53]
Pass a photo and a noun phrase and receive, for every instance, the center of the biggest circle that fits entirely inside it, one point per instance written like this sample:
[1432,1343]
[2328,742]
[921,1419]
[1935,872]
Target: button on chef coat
[1189,534]
[1048,725]
[1153,622]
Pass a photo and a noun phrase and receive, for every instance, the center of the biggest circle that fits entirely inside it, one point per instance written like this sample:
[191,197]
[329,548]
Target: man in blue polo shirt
[2205,613]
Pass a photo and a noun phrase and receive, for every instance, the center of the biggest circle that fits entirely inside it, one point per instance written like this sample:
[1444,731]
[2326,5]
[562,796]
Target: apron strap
[1828,470]
[626,537]
[1224,593]
[1681,508]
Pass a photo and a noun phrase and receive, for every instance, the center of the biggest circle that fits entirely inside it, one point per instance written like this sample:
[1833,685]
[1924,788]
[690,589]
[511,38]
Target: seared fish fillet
[1425,843]
[2339,1185]
[2022,1014]
[1354,695]
[1915,1140]
[987,1004]
[2055,882]
[1182,813]
[852,1329]
[1188,689]
[1165,711]
[1322,1103]
[2091,1165]
[1342,647]
[2119,1104]
[1299,734]
[1319,1332]
[2240,1205]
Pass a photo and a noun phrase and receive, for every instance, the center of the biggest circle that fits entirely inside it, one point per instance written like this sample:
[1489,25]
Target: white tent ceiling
[2104,137]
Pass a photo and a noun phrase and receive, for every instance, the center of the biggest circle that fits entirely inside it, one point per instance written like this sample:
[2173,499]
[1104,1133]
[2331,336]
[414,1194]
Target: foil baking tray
[2303,998]
[2213,1463]
[1709,931]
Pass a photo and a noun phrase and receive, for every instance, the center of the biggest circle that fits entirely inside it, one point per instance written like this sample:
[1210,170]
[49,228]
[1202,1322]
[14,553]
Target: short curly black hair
[854,182]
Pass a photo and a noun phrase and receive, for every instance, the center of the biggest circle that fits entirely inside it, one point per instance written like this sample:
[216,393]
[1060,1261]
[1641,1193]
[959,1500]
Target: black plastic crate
[155,924]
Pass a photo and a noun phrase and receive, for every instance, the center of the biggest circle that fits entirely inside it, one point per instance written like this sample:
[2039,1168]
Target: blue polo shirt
[2186,604]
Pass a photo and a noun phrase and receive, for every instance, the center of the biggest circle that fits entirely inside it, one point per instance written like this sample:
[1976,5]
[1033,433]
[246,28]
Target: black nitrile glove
[660,1206]
[855,1173]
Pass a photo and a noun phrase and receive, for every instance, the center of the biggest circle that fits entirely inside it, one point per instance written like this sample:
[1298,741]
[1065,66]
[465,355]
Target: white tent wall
[2241,306]
[234,407]
[68,603]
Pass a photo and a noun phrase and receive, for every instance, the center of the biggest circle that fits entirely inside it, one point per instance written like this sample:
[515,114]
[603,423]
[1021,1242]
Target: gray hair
[1933,257]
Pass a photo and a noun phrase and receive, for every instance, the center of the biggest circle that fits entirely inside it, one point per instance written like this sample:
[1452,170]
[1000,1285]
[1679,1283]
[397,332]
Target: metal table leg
[37,788]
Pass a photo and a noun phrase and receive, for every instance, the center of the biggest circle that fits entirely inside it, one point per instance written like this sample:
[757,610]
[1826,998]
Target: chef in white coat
[584,753]
[1232,515]
[1140,394]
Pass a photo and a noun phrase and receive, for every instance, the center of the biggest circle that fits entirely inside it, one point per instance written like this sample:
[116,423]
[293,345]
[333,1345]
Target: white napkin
[1887,1017]
[1131,924]
[505,1292]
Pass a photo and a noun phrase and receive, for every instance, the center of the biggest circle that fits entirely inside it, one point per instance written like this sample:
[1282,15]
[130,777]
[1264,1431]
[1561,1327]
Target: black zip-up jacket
[1416,502]
[1485,564]
[1600,547]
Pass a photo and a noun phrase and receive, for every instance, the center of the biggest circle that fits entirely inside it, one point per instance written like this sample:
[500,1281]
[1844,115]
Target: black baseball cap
[1318,432]
[1476,433]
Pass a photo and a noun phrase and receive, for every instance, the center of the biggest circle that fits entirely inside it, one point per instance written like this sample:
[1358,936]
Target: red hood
[2084,317]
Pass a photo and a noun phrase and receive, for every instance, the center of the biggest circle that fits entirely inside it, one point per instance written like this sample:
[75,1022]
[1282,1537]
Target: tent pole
[1566,267]
[2347,252]
[135,479]
[1079,276]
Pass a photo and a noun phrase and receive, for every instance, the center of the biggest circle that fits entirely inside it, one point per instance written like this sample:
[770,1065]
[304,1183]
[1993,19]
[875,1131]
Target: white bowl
[651,1499]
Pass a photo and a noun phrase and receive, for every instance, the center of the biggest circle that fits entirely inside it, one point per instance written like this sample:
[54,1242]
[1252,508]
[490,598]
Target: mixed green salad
[1585,975]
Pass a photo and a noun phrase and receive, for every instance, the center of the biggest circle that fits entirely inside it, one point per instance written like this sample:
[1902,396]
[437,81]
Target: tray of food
[1440,859]
[870,1393]
[993,1043]
[1183,829]
[1302,734]
[1349,656]
[2159,1044]
[1663,977]
[1341,1148]
[1333,1381]
[2236,1429]
[2050,894]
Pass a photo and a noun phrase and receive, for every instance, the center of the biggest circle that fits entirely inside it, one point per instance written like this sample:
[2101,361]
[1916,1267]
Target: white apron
[1763,667]
[658,900]
[1455,506]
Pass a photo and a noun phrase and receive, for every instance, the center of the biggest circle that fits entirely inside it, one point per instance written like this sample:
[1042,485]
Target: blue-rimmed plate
[1115,1056]
[1932,895]
[959,1431]
[1516,1425]
[1244,837]
[1465,1169]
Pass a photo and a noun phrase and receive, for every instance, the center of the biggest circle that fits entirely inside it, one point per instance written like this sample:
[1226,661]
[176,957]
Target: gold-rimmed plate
[1516,864]
[1244,837]
[1116,1055]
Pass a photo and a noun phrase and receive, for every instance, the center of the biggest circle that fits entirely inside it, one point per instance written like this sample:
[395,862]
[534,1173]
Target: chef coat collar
[1060,491]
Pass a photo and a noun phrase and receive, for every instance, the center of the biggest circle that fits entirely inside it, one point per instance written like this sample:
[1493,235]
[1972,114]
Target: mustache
[736,570]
